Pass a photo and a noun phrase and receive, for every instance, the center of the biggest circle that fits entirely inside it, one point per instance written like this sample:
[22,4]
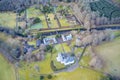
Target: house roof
[64,58]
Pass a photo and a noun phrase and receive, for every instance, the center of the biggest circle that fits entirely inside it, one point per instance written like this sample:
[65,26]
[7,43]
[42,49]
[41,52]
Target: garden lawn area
[64,22]
[7,71]
[85,59]
[65,46]
[116,33]
[110,53]
[4,37]
[8,19]
[36,26]
[32,12]
[78,50]
[33,42]
[40,25]
[53,21]
[28,71]
[79,74]
[44,23]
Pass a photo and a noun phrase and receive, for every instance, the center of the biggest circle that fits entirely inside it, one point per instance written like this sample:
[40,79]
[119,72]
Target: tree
[38,35]
[58,35]
[47,9]
[68,1]
[49,76]
[42,77]
[105,78]
[37,20]
[60,0]
[49,48]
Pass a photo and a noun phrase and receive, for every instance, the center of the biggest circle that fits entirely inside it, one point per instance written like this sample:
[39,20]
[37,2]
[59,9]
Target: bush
[49,76]
[38,35]
[42,77]
[37,20]
[49,48]
[58,35]
[47,9]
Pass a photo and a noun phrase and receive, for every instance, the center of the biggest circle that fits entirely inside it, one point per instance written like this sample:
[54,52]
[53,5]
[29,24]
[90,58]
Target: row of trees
[90,18]
[48,76]
[12,51]
[95,37]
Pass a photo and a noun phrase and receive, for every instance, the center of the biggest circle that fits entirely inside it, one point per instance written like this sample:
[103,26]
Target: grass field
[6,70]
[65,47]
[53,21]
[110,52]
[33,13]
[64,23]
[8,19]
[28,71]
[79,74]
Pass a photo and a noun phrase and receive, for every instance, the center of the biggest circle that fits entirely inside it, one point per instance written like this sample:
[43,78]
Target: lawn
[66,48]
[33,42]
[64,22]
[7,71]
[36,26]
[110,52]
[32,13]
[8,19]
[28,71]
[4,37]
[85,59]
[44,23]
[79,74]
[53,21]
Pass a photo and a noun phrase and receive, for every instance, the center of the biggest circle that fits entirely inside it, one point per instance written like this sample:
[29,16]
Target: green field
[53,21]
[110,52]
[8,19]
[7,71]
[79,74]
[32,12]
[64,23]
[27,71]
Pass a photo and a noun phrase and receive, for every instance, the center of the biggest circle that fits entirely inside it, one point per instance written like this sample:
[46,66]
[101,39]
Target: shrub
[37,20]
[42,77]
[49,76]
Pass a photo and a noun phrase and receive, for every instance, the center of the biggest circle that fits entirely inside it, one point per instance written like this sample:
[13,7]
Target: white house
[48,41]
[65,59]
[67,37]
